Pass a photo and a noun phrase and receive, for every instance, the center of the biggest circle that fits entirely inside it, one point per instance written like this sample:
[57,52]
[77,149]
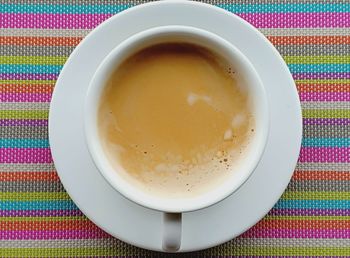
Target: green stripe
[336,218]
[12,219]
[35,60]
[60,252]
[317,59]
[337,81]
[281,250]
[24,114]
[326,113]
[27,81]
[33,196]
[340,81]
[83,9]
[316,196]
[237,250]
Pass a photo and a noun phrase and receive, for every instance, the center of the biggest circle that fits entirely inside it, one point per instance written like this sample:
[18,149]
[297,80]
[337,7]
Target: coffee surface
[176,119]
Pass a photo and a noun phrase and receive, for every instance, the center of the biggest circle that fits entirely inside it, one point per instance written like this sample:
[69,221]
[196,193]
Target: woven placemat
[37,218]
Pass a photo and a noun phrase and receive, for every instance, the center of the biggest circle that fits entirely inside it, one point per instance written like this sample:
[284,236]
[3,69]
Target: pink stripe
[324,96]
[28,76]
[23,122]
[297,20]
[27,155]
[328,75]
[52,234]
[298,233]
[51,21]
[325,121]
[25,97]
[89,21]
[324,154]
[40,213]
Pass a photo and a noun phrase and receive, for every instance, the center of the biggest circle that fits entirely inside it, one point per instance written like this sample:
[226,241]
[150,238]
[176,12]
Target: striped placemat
[37,218]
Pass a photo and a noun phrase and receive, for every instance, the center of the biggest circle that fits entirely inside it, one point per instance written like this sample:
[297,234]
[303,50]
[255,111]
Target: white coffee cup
[173,208]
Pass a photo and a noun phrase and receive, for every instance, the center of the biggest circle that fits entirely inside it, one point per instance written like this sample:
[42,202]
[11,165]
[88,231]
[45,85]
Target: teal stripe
[326,142]
[62,9]
[24,143]
[286,8]
[68,204]
[294,68]
[319,68]
[31,69]
[37,205]
[312,204]
[237,8]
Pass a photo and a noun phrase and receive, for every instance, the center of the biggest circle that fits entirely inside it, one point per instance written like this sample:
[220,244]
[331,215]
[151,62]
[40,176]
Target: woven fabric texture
[37,217]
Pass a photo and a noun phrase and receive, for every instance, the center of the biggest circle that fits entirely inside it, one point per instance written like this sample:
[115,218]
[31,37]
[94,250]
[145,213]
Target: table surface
[37,217]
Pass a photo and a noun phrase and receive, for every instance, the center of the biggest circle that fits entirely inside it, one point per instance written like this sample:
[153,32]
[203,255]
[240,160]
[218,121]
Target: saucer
[135,224]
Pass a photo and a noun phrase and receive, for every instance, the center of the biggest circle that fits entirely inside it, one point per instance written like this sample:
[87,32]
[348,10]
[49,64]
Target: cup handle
[172,227]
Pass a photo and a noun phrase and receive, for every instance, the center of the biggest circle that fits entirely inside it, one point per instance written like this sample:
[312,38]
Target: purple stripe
[42,213]
[312,76]
[324,154]
[324,96]
[297,20]
[28,76]
[52,21]
[23,122]
[51,234]
[297,233]
[260,20]
[309,212]
[25,97]
[25,155]
[326,121]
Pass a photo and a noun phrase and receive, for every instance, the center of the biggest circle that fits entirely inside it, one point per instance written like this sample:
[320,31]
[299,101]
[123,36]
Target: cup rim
[118,182]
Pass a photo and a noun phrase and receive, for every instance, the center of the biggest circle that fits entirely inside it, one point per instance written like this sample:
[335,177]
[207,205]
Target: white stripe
[43,33]
[112,242]
[325,105]
[9,167]
[24,106]
[323,167]
[293,242]
[306,31]
[74,243]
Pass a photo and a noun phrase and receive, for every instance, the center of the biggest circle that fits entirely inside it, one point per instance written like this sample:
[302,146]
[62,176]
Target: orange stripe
[48,225]
[303,224]
[321,175]
[307,40]
[29,88]
[40,41]
[306,87]
[28,176]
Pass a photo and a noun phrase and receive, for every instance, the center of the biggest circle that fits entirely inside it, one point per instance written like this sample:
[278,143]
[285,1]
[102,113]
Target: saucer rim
[54,131]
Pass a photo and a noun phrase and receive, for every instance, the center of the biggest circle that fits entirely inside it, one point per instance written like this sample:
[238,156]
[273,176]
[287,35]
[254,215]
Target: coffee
[177,118]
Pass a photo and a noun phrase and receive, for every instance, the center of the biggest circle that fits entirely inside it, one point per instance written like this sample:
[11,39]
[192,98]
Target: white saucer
[140,226]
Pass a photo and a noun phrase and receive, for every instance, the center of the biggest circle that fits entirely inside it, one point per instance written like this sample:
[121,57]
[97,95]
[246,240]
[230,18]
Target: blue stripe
[286,8]
[312,204]
[326,142]
[62,9]
[236,8]
[68,204]
[24,143]
[37,205]
[319,68]
[294,68]
[44,143]
[31,69]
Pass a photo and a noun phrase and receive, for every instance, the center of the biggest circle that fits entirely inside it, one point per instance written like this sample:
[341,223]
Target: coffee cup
[173,208]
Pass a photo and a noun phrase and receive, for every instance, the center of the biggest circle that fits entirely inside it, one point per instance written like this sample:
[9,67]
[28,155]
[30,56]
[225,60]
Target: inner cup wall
[235,61]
